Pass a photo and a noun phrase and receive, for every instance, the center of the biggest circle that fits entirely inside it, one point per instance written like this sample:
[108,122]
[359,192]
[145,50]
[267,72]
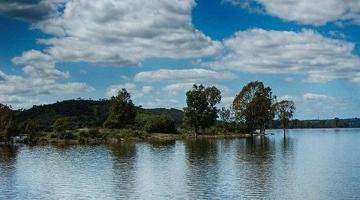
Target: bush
[160,124]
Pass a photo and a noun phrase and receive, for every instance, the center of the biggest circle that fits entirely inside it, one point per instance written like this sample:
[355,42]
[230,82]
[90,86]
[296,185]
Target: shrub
[160,124]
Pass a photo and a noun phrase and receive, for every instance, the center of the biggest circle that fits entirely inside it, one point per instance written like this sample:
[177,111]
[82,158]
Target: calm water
[308,164]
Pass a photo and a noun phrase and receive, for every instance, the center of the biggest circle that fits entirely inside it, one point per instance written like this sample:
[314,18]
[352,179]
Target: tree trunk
[284,132]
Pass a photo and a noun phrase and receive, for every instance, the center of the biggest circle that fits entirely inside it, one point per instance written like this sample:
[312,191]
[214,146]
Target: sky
[306,51]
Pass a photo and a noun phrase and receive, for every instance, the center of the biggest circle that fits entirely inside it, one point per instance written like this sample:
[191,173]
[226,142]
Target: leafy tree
[122,111]
[285,110]
[160,124]
[201,112]
[31,129]
[7,123]
[60,126]
[254,106]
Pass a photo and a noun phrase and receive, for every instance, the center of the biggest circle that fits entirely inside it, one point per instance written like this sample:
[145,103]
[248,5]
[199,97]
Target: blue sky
[305,51]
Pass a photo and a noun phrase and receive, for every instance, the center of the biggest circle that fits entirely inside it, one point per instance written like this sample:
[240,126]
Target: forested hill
[85,113]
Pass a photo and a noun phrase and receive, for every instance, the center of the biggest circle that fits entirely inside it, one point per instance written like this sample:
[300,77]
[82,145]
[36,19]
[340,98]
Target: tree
[31,129]
[60,126]
[285,110]
[201,112]
[122,111]
[160,124]
[254,106]
[7,123]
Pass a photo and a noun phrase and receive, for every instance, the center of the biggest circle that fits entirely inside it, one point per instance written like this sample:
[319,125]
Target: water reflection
[307,164]
[202,168]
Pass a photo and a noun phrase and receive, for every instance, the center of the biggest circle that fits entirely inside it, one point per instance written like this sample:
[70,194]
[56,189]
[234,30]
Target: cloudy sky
[305,50]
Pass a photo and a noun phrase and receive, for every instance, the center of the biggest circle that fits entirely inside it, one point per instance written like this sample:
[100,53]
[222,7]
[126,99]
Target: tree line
[254,108]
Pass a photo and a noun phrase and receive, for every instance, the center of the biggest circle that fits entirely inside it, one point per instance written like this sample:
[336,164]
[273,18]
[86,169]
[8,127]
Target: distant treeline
[93,113]
[325,123]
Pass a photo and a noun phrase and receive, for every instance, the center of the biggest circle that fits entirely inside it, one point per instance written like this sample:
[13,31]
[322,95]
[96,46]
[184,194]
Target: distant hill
[325,123]
[85,113]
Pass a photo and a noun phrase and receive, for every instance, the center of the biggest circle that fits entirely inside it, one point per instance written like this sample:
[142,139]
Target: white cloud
[315,97]
[40,77]
[312,12]
[194,74]
[125,32]
[37,65]
[147,89]
[307,52]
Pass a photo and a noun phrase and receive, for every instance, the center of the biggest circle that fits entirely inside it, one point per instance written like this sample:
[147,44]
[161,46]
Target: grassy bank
[113,136]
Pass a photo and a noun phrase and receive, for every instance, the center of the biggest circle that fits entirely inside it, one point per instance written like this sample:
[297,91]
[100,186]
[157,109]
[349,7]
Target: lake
[307,164]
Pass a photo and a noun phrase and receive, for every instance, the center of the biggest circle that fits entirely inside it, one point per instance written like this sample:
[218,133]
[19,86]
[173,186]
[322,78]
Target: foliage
[7,123]
[31,130]
[201,112]
[60,127]
[122,111]
[160,124]
[254,106]
[284,111]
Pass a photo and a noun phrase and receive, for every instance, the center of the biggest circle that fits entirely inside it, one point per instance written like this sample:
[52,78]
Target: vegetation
[118,119]
[60,127]
[31,130]
[201,112]
[7,123]
[122,111]
[254,106]
[285,110]
[160,124]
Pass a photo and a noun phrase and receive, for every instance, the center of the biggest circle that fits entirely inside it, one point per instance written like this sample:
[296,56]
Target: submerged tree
[254,106]
[122,111]
[201,111]
[284,111]
[7,123]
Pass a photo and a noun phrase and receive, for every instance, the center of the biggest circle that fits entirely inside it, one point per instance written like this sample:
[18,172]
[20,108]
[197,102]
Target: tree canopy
[7,123]
[284,111]
[201,111]
[122,111]
[254,106]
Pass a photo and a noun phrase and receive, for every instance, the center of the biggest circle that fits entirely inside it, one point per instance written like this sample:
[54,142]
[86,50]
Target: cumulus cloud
[40,77]
[30,10]
[306,52]
[307,11]
[183,75]
[125,32]
[37,64]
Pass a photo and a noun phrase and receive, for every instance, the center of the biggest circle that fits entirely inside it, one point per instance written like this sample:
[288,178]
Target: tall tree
[7,123]
[122,111]
[254,106]
[284,111]
[201,111]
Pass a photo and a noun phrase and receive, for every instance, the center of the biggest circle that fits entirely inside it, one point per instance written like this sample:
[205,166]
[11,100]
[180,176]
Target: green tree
[7,123]
[31,129]
[122,111]
[284,111]
[60,127]
[160,124]
[254,106]
[201,111]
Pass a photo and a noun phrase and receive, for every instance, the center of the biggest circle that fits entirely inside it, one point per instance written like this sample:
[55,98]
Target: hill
[85,113]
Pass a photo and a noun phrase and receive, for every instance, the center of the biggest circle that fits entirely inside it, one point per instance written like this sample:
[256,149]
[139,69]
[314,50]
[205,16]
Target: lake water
[308,164]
